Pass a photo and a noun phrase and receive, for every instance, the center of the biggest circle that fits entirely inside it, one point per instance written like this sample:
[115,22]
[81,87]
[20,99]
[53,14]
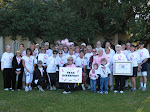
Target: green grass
[79,101]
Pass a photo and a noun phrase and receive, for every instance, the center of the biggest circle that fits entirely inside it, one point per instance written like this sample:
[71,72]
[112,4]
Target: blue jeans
[104,83]
[93,85]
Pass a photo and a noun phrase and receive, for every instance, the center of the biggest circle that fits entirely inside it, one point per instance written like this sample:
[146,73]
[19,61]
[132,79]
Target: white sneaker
[66,92]
[115,91]
[144,89]
[51,88]
[106,92]
[140,87]
[30,88]
[40,89]
[101,92]
[83,87]
[18,90]
[6,89]
[54,88]
[12,90]
[98,92]
[121,92]
[26,89]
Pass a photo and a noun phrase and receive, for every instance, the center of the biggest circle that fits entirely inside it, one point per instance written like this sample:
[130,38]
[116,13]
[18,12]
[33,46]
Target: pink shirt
[73,65]
[97,60]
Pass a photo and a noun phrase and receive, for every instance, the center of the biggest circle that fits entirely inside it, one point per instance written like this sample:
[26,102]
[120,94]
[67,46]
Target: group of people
[38,67]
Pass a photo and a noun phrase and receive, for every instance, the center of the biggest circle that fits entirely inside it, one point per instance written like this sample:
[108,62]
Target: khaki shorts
[144,73]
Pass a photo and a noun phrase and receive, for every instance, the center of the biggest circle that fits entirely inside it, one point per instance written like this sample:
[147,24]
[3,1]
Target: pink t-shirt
[97,59]
[73,65]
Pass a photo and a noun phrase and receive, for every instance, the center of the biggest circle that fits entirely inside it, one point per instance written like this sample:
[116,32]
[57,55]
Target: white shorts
[29,77]
[144,73]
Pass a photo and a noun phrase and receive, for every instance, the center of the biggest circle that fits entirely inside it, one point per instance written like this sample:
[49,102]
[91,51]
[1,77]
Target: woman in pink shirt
[70,85]
[97,60]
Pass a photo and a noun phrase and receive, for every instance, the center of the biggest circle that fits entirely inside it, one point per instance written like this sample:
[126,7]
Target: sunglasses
[93,51]
[70,60]
[42,49]
[54,53]
[60,53]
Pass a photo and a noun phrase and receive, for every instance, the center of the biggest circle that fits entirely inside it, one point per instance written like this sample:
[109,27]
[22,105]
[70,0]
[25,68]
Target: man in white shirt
[6,67]
[48,51]
[144,55]
[98,46]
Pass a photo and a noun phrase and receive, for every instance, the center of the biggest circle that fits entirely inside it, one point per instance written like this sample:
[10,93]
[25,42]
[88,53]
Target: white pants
[29,77]
[140,73]
[24,77]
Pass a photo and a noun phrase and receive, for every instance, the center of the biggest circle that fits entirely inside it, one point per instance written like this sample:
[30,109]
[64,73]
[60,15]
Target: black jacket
[38,74]
[15,65]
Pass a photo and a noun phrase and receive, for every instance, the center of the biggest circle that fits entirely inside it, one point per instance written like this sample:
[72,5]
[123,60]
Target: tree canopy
[74,19]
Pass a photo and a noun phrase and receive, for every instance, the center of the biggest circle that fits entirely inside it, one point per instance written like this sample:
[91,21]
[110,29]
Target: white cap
[83,44]
[36,44]
[8,47]
[46,43]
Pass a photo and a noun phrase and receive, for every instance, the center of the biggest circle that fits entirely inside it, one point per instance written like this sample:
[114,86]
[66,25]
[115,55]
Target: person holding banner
[51,70]
[68,87]
[6,67]
[119,79]
[29,67]
[135,58]
[17,70]
[144,55]
[82,62]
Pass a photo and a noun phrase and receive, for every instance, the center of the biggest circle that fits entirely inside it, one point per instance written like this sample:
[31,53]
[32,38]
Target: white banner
[70,75]
[123,68]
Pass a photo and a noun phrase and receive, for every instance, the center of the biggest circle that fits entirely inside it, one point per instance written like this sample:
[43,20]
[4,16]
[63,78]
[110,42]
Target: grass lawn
[79,101]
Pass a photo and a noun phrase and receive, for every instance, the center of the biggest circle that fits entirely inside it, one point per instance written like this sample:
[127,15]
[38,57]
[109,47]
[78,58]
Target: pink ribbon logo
[61,61]
[10,58]
[141,54]
[119,57]
[131,58]
[82,62]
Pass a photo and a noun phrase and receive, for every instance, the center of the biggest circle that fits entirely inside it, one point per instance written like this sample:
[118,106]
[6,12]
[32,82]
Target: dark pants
[68,87]
[19,84]
[88,79]
[119,82]
[7,76]
[98,83]
[61,85]
[42,83]
[52,79]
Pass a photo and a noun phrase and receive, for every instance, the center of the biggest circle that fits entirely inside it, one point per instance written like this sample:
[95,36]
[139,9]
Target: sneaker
[18,90]
[131,89]
[12,90]
[54,88]
[121,92]
[26,89]
[115,91]
[40,89]
[106,92]
[65,92]
[134,89]
[83,88]
[30,88]
[140,87]
[144,89]
[98,92]
[51,88]
[101,92]
[6,89]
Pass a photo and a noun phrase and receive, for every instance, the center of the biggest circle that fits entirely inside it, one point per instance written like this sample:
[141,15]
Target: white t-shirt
[51,64]
[125,52]
[29,62]
[81,62]
[119,57]
[18,60]
[143,53]
[6,60]
[88,55]
[23,53]
[103,71]
[65,54]
[93,76]
[77,55]
[61,61]
[74,58]
[49,52]
[134,57]
[112,52]
[43,57]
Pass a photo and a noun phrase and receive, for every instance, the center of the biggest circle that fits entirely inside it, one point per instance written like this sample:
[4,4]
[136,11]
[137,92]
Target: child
[103,70]
[40,76]
[93,77]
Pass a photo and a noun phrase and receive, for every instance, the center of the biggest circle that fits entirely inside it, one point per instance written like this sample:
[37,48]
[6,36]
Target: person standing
[144,56]
[6,67]
[48,51]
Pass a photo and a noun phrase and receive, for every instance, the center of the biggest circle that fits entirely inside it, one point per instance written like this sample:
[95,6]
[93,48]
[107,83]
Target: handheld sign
[70,75]
[123,68]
